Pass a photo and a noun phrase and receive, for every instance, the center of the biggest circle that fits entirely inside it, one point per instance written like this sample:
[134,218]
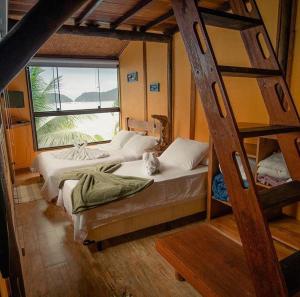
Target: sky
[76,81]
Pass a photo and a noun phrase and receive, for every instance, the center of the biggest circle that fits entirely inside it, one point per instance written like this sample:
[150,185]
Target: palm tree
[56,130]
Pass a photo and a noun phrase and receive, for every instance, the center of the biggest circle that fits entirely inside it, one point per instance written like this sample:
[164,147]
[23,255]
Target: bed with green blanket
[98,185]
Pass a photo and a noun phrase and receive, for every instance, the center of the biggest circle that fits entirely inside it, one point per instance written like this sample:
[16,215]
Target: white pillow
[185,153]
[138,144]
[121,138]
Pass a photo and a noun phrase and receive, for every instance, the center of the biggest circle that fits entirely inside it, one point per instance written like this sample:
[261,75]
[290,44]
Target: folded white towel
[151,163]
[274,166]
[81,152]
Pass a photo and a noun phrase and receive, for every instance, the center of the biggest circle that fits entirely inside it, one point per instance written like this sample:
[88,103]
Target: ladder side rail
[279,114]
[255,234]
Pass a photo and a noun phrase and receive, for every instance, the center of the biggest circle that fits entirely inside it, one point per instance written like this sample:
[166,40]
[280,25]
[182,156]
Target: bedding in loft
[125,146]
[273,171]
[172,184]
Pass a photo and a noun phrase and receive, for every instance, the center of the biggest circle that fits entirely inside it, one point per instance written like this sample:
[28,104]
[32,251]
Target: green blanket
[97,185]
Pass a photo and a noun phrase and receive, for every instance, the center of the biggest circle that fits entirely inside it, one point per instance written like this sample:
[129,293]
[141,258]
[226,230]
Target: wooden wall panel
[295,73]
[150,61]
[181,89]
[295,78]
[21,141]
[157,72]
[132,94]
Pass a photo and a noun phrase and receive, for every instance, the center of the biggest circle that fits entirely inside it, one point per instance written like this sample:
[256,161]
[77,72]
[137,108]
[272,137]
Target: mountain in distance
[111,95]
[63,98]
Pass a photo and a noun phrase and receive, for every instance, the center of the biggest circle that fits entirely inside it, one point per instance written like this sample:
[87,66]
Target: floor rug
[27,193]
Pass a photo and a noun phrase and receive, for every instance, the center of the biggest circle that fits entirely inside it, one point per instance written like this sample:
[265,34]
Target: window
[73,104]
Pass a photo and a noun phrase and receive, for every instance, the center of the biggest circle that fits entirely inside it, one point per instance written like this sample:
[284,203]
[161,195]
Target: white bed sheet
[50,167]
[171,185]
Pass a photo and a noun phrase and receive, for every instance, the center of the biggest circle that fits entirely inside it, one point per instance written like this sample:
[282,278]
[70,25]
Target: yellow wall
[295,74]
[295,77]
[21,137]
[132,94]
[150,61]
[157,65]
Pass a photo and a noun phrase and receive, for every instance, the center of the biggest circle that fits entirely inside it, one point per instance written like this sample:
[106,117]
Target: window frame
[80,63]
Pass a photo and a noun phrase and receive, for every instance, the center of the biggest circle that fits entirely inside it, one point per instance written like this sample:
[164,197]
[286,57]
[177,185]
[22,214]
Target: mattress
[50,167]
[171,185]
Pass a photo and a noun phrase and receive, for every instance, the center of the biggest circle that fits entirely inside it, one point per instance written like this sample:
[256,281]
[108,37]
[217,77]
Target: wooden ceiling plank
[35,28]
[157,21]
[91,7]
[141,4]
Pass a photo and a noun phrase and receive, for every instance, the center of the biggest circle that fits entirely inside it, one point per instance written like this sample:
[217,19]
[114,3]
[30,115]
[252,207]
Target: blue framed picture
[155,87]
[132,77]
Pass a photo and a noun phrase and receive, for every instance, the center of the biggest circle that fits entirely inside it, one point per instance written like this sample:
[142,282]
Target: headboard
[158,126]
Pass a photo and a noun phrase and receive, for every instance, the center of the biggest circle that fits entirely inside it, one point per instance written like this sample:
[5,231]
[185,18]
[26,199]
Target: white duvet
[171,185]
[50,167]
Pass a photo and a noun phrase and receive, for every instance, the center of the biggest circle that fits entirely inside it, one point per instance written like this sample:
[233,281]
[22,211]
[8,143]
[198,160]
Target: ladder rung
[257,131]
[247,72]
[280,196]
[291,270]
[228,20]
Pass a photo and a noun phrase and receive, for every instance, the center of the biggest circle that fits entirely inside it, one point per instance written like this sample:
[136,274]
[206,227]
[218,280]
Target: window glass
[79,88]
[44,88]
[67,130]
[76,91]
[109,95]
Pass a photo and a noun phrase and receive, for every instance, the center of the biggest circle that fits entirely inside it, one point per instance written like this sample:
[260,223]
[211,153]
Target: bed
[47,164]
[175,193]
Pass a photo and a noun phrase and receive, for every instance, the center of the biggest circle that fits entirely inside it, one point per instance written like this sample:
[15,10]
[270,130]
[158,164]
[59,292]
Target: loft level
[223,19]
[212,263]
[289,256]
[291,270]
[280,196]
[234,71]
[227,226]
[256,131]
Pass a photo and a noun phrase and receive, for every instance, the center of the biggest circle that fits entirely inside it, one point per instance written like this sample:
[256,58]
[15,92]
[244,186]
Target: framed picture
[132,77]
[155,87]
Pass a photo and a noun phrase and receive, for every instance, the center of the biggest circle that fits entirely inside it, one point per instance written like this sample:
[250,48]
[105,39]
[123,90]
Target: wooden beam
[109,33]
[157,21]
[145,81]
[170,88]
[118,34]
[141,4]
[30,33]
[284,30]
[3,17]
[286,34]
[90,8]
[193,107]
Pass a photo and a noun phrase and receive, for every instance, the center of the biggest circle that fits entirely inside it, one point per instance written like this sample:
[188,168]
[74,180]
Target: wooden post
[29,34]
[3,17]
[285,35]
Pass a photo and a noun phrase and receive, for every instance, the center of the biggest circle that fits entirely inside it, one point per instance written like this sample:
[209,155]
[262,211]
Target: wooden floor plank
[226,224]
[211,262]
[55,265]
[287,231]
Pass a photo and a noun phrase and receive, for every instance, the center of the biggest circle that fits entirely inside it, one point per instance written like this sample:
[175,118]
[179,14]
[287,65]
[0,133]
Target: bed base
[144,219]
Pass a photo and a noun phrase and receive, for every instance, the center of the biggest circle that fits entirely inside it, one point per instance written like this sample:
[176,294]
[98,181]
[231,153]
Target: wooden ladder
[271,277]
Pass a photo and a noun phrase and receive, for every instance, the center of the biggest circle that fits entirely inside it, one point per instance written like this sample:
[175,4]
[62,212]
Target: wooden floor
[55,265]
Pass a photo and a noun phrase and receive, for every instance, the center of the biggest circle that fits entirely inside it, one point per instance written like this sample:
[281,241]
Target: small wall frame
[132,77]
[155,87]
